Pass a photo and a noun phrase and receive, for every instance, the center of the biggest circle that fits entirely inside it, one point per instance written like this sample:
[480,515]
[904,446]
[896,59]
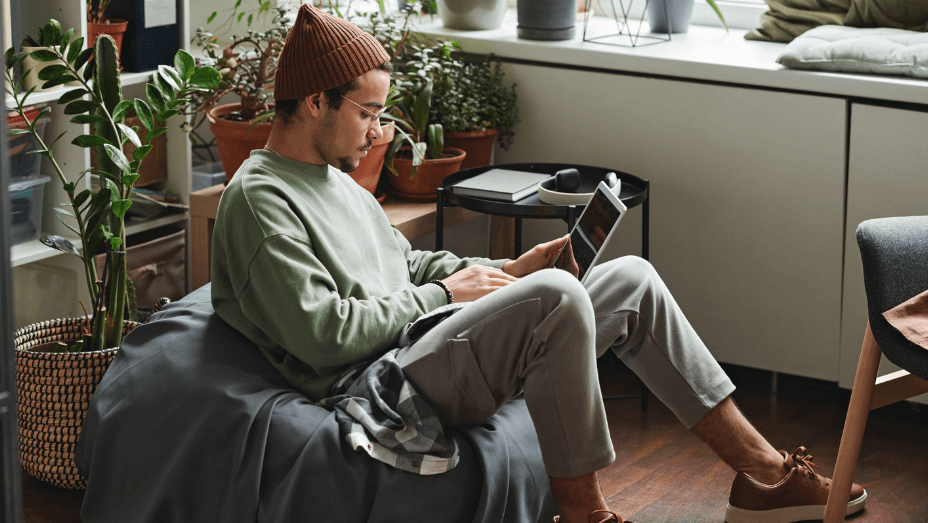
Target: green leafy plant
[472,97]
[96,216]
[247,64]
[718,12]
[46,36]
[411,102]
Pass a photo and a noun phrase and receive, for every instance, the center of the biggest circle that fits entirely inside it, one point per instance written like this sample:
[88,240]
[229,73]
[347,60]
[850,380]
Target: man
[306,265]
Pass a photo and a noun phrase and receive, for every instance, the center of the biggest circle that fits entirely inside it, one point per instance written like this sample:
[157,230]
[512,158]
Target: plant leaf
[144,113]
[167,114]
[170,76]
[71,95]
[156,132]
[205,78]
[120,207]
[74,49]
[44,55]
[65,38]
[89,140]
[118,158]
[79,107]
[88,118]
[65,212]
[82,58]
[211,17]
[82,197]
[130,134]
[155,98]
[50,72]
[61,244]
[129,179]
[140,153]
[16,132]
[185,64]
[121,110]
[51,33]
[68,225]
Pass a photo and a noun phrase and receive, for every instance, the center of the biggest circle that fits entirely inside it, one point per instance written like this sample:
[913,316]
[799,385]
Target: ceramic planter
[477,144]
[368,172]
[670,16]
[424,186]
[114,27]
[236,140]
[547,19]
[32,79]
[472,15]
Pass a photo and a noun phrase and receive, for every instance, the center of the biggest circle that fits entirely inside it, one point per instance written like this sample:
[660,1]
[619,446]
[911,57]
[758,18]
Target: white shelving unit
[73,159]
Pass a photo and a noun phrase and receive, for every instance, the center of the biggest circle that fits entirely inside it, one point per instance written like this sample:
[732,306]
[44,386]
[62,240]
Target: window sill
[705,53]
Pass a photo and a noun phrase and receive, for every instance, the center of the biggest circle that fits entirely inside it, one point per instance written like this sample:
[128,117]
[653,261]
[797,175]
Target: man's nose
[377,131]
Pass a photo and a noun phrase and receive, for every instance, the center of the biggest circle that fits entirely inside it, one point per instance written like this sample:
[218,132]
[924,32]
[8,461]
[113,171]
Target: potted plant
[46,39]
[98,24]
[56,385]
[475,107]
[420,166]
[247,66]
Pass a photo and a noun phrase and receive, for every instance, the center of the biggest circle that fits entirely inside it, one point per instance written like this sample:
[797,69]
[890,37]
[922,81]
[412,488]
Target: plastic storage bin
[206,174]
[27,196]
[24,165]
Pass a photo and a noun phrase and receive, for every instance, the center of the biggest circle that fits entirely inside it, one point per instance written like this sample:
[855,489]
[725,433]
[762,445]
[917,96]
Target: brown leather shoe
[600,516]
[801,495]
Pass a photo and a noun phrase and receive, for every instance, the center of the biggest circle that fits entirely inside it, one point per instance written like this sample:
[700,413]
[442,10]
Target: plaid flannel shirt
[379,412]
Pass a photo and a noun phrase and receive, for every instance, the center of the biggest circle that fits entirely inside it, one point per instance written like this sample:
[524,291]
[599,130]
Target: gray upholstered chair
[895,261]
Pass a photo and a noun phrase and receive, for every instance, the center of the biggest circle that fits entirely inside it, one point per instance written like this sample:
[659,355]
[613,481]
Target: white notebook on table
[501,184]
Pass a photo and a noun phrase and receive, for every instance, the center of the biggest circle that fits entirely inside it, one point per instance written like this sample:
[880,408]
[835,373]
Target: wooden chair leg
[857,412]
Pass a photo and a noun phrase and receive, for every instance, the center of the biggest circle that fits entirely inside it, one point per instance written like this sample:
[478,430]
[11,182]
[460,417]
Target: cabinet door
[887,176]
[747,200]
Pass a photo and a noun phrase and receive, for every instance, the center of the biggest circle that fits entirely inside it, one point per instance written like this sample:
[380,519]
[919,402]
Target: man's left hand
[539,257]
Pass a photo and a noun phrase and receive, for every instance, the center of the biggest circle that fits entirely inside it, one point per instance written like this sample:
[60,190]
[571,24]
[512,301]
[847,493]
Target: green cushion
[851,49]
[898,14]
[788,19]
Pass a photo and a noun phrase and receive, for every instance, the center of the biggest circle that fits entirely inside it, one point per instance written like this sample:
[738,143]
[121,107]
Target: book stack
[501,184]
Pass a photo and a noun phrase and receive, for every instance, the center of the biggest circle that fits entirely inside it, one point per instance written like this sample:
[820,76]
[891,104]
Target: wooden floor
[664,473]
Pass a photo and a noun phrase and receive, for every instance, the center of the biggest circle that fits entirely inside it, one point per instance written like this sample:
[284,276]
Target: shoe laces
[803,461]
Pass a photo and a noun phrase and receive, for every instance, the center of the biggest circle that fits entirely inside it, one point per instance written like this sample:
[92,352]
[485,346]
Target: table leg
[518,242]
[571,218]
[440,219]
[646,222]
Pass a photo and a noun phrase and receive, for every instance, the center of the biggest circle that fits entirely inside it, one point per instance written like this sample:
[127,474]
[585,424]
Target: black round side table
[634,192]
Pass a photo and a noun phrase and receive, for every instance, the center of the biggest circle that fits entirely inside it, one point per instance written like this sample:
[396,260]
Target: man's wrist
[448,294]
[509,267]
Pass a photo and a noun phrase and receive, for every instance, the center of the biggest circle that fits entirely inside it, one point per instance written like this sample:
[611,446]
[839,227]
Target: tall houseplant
[97,216]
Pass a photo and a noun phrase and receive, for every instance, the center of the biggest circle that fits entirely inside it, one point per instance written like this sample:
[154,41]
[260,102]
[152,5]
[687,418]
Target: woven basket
[54,391]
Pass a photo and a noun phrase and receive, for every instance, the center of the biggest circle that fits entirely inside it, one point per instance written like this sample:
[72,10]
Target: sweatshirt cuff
[432,296]
[496,264]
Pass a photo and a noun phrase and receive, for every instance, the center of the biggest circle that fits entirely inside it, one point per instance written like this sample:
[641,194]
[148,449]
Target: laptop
[591,234]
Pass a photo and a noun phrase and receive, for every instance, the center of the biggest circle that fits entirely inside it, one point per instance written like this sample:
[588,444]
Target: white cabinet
[887,176]
[747,209]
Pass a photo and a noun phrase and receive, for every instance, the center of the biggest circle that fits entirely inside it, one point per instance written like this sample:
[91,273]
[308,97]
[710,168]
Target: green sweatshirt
[306,265]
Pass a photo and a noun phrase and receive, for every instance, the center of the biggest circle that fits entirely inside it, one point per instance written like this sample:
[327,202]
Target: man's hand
[540,257]
[476,281]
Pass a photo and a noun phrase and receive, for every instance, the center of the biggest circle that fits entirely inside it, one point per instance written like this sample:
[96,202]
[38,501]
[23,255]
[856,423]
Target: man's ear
[314,104]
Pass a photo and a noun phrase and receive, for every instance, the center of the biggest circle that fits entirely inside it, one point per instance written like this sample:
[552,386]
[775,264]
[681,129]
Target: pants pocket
[470,401]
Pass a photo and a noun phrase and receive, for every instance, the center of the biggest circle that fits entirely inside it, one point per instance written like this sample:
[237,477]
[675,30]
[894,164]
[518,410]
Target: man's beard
[344,165]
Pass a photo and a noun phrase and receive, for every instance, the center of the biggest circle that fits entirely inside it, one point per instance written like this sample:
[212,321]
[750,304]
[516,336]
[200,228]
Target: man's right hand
[476,281]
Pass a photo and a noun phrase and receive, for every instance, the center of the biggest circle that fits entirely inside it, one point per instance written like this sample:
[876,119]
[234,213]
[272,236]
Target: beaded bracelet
[444,288]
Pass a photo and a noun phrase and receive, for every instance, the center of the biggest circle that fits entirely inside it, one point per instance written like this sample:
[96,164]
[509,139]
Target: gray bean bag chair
[191,423]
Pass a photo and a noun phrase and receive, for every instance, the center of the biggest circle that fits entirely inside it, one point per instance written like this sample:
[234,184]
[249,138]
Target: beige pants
[542,335]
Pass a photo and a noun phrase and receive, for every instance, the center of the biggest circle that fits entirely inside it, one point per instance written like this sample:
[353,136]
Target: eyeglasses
[375,117]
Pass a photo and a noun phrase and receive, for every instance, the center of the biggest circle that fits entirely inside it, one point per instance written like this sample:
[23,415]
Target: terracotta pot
[424,186]
[477,144]
[234,139]
[368,172]
[115,28]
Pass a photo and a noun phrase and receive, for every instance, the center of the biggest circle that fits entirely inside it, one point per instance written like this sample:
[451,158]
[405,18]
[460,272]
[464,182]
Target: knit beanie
[321,52]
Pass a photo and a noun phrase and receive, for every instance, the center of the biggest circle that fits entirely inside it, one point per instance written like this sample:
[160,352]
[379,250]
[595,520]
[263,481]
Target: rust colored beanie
[323,51]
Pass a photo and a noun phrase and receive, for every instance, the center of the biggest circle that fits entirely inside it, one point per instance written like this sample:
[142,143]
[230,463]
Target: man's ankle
[771,472]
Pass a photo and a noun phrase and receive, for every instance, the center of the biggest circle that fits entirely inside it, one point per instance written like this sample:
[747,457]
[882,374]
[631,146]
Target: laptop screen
[589,235]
